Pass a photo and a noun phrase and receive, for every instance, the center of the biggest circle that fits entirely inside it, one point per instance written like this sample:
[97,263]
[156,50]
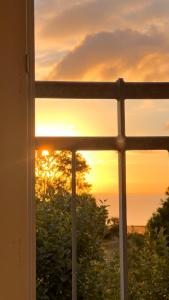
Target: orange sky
[91,40]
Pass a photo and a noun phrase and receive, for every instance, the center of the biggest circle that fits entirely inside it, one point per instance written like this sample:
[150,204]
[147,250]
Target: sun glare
[45,152]
[56,130]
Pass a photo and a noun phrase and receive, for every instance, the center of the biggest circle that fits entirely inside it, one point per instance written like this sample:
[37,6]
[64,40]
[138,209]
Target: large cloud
[89,16]
[44,8]
[77,18]
[65,29]
[111,54]
[153,10]
[45,12]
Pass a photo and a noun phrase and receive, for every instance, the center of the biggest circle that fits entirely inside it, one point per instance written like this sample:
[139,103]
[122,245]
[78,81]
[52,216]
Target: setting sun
[45,152]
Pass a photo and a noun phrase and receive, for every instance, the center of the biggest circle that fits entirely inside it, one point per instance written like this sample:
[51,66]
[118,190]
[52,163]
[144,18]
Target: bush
[54,247]
[148,269]
[160,219]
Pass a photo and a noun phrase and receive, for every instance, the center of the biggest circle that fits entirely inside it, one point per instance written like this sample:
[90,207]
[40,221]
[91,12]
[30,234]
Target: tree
[53,203]
[53,174]
[148,258]
[54,248]
[148,269]
[98,275]
[112,227]
[160,219]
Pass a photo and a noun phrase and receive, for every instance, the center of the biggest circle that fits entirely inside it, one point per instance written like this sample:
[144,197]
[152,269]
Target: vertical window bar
[74,231]
[122,197]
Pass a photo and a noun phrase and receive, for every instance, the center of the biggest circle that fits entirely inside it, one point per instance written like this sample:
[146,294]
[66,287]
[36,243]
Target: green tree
[112,227]
[53,202]
[98,275]
[53,174]
[148,269]
[160,219]
[54,247]
[148,258]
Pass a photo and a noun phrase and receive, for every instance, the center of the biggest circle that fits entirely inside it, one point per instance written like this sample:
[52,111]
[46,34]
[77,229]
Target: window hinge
[27,63]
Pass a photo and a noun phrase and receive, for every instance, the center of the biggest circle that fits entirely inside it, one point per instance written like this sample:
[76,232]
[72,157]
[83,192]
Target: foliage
[148,269]
[112,227]
[53,174]
[98,272]
[54,248]
[160,219]
[99,280]
[136,240]
[97,277]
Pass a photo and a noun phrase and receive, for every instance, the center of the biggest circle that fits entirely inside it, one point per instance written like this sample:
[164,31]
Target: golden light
[56,129]
[45,152]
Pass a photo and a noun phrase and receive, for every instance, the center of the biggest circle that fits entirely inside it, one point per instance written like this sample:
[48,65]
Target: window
[99,41]
[120,91]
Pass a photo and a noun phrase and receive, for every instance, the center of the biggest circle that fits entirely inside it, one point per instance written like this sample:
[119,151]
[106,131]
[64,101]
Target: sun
[45,152]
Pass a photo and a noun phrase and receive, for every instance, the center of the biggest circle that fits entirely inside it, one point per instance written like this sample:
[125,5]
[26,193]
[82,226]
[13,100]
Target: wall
[16,248]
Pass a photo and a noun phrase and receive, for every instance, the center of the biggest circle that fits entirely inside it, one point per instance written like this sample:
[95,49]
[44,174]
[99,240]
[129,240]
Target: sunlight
[45,152]
[56,130]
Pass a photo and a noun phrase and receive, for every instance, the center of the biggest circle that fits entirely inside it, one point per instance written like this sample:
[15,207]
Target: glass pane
[147,182]
[53,224]
[101,40]
[147,117]
[97,224]
[98,229]
[76,117]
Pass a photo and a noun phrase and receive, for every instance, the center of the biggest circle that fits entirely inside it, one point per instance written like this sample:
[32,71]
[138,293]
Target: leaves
[54,245]
[160,219]
[53,174]
[98,271]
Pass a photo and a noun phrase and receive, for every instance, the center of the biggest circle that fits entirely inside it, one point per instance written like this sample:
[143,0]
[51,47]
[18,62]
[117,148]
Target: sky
[102,40]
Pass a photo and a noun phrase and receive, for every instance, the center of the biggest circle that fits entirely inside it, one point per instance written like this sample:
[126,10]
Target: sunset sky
[102,40]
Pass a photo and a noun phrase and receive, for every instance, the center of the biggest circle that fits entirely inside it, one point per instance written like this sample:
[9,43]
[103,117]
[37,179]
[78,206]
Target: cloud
[61,20]
[86,17]
[45,13]
[80,18]
[64,28]
[111,54]
[152,13]
[153,10]
[51,8]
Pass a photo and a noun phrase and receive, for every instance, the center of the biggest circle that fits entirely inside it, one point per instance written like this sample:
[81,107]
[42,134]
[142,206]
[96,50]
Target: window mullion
[74,229]
[122,197]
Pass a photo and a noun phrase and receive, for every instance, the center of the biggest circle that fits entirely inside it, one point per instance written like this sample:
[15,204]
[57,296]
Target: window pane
[147,117]
[53,224]
[147,182]
[91,40]
[76,117]
[97,224]
[98,230]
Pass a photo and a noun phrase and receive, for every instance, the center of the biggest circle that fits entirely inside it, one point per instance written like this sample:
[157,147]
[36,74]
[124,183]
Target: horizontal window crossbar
[102,90]
[102,143]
